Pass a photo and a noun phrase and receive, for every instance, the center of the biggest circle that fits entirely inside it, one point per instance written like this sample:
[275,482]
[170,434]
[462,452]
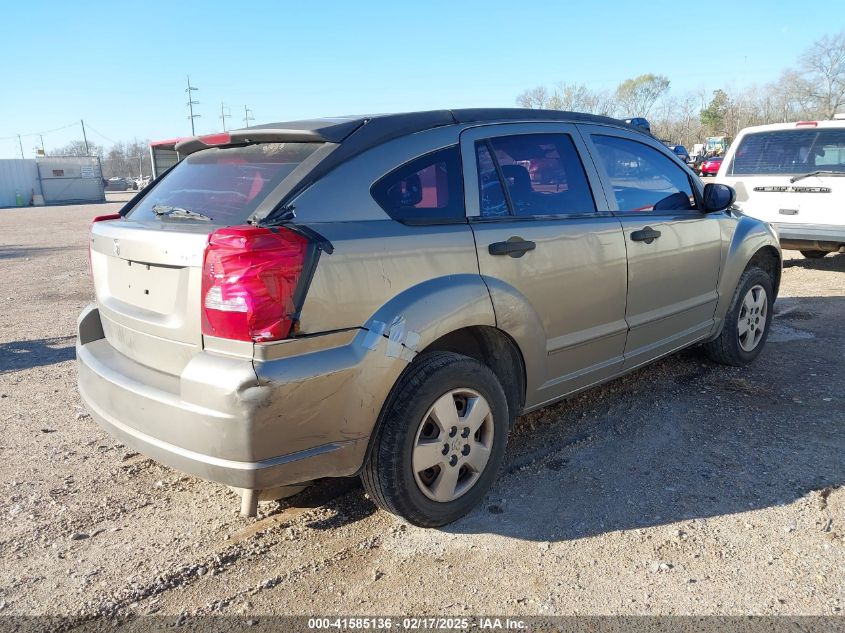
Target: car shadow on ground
[678,440]
[682,439]
[18,355]
[833,262]
[20,252]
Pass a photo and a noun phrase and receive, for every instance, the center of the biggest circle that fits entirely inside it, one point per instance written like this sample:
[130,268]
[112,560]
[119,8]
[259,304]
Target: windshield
[223,184]
[790,152]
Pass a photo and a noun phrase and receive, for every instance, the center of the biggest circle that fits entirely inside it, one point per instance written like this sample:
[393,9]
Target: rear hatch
[790,176]
[147,266]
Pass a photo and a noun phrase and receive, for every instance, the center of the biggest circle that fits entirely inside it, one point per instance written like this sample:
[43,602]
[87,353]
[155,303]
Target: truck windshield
[221,185]
[790,152]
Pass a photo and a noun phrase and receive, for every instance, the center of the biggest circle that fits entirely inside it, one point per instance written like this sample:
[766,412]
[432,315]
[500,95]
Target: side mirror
[718,197]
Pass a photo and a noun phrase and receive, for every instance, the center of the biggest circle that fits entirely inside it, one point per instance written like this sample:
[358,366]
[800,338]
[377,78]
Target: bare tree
[78,148]
[565,96]
[535,98]
[823,66]
[637,96]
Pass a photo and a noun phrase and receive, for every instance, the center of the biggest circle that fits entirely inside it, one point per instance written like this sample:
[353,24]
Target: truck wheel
[747,321]
[441,440]
[814,254]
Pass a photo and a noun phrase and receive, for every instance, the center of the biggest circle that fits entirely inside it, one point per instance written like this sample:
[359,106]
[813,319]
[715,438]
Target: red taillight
[99,218]
[249,277]
[807,124]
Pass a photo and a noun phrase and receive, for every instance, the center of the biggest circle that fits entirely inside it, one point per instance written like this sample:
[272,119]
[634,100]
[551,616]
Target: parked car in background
[640,122]
[793,175]
[710,166]
[383,295]
[681,152]
[116,183]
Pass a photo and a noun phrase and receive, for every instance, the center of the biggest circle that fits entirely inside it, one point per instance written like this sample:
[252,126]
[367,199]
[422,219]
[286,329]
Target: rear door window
[426,190]
[542,176]
[224,184]
[643,179]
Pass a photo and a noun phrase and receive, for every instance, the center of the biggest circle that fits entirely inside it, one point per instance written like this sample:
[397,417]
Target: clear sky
[122,66]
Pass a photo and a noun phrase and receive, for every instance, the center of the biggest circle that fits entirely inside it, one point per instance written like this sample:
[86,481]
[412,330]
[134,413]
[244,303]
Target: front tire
[441,440]
[814,254]
[747,322]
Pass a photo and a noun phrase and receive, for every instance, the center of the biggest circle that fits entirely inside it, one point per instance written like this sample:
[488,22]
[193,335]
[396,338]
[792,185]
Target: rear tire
[747,322]
[814,254]
[441,440]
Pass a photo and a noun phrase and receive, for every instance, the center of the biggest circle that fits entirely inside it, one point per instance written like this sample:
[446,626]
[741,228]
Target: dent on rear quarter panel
[336,394]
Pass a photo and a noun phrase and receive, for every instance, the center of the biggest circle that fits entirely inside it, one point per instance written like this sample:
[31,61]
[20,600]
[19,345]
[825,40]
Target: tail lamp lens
[249,278]
[99,218]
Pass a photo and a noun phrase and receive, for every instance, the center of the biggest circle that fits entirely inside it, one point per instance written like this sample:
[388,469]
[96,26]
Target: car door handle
[515,247]
[647,235]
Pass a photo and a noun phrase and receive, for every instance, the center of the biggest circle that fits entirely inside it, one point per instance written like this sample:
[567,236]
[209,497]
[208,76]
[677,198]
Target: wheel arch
[752,242]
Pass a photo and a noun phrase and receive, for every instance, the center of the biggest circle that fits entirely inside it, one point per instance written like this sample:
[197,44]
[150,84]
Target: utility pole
[20,143]
[224,115]
[85,138]
[43,151]
[191,103]
[247,116]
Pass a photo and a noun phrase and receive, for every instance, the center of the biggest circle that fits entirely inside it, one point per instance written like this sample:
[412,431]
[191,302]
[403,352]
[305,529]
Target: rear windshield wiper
[820,172]
[179,213]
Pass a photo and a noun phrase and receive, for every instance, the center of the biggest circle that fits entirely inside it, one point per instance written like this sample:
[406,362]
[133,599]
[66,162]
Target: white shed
[18,181]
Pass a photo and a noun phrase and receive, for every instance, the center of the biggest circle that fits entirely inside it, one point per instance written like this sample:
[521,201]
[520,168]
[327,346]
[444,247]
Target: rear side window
[223,184]
[542,175]
[643,178]
[789,152]
[426,190]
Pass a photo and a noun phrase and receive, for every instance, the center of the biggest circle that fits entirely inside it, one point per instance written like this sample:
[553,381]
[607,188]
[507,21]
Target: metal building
[71,179]
[163,155]
[18,182]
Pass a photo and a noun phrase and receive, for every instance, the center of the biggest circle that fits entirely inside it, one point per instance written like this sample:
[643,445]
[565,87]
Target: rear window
[789,152]
[224,184]
[426,190]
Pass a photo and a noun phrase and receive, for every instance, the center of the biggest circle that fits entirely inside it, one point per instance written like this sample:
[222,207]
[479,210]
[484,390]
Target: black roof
[362,132]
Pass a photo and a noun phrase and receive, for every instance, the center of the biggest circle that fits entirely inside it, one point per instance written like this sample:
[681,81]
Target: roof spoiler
[325,131]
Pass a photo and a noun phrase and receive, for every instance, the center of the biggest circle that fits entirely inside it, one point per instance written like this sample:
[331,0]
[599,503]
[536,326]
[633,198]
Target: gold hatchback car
[382,295]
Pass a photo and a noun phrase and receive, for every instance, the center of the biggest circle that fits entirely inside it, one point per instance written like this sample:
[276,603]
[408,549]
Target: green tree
[713,116]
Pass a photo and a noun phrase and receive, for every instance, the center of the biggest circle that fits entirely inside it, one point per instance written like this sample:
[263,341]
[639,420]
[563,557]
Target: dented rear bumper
[298,411]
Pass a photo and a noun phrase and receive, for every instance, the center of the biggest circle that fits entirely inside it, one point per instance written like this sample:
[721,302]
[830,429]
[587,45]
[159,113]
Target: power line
[98,133]
[13,136]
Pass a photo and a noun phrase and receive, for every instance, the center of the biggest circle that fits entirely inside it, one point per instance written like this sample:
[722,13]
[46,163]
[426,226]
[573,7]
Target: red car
[710,167]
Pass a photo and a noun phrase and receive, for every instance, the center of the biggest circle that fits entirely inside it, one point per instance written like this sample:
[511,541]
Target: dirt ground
[684,488]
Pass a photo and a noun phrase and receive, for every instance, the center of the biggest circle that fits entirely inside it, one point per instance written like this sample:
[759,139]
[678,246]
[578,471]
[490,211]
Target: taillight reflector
[807,124]
[103,218]
[221,138]
[249,277]
[99,218]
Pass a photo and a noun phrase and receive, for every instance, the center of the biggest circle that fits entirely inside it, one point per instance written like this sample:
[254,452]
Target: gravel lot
[684,488]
